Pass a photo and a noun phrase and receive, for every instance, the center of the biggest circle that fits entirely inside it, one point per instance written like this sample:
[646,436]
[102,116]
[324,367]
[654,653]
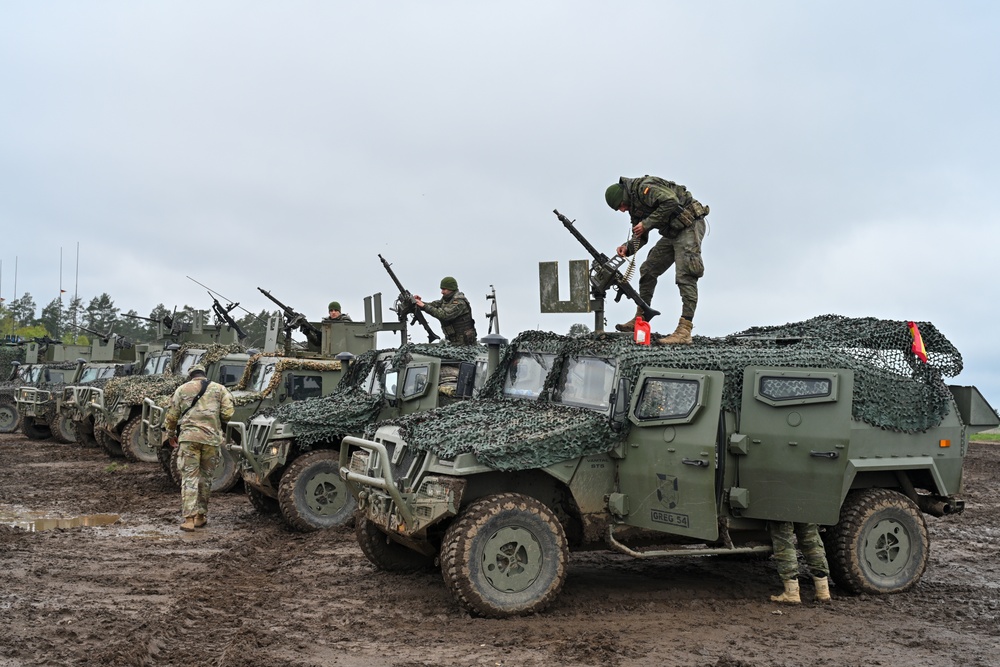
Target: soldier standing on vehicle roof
[454,312]
[655,203]
[201,409]
[783,536]
[335,314]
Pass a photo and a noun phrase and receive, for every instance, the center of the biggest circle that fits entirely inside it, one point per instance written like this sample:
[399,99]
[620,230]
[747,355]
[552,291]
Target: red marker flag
[918,343]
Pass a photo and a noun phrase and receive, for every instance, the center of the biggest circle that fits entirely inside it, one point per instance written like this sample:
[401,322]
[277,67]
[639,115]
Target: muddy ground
[248,592]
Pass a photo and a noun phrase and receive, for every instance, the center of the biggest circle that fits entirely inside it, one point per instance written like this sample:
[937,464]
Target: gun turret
[121,343]
[222,312]
[604,273]
[294,320]
[406,304]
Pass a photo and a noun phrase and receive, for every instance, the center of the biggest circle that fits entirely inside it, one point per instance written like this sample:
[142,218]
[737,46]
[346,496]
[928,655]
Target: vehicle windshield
[263,371]
[371,382]
[32,374]
[93,373]
[586,382]
[157,364]
[527,374]
[191,357]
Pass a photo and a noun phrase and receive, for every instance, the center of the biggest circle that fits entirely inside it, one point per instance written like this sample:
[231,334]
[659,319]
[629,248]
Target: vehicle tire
[226,474]
[34,431]
[880,544]
[504,555]
[108,444]
[134,447]
[311,494]
[10,418]
[85,433]
[385,554]
[264,504]
[63,428]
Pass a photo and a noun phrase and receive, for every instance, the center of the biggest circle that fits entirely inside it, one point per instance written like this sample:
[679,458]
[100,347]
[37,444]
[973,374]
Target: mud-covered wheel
[63,428]
[880,544]
[34,431]
[10,419]
[133,446]
[504,555]
[227,473]
[311,494]
[85,432]
[108,444]
[262,503]
[386,554]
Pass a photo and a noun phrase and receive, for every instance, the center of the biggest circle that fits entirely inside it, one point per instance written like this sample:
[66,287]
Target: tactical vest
[462,329]
[691,208]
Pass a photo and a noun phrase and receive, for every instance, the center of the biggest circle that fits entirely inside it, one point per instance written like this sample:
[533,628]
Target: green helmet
[334,305]
[614,195]
[449,283]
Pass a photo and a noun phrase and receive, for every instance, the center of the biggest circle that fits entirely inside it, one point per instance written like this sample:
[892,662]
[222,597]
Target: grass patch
[985,437]
[114,467]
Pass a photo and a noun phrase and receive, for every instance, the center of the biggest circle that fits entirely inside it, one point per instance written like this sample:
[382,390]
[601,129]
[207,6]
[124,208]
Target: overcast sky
[848,151]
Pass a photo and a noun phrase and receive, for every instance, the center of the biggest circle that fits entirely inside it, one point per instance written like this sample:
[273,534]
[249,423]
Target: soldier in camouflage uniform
[655,203]
[201,409]
[335,314]
[454,312]
[783,536]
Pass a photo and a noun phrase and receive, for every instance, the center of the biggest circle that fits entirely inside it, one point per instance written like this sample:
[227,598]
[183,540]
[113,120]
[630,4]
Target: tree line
[63,321]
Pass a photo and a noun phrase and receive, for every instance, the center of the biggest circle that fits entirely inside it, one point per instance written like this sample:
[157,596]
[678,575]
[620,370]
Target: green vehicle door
[792,447]
[667,473]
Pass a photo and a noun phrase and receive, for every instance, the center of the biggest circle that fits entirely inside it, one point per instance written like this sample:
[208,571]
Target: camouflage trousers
[197,463]
[685,252]
[783,536]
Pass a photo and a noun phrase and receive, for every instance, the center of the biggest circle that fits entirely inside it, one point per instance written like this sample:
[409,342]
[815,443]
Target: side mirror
[619,406]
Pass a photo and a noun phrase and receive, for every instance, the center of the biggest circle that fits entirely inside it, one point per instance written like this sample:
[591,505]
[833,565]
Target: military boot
[188,524]
[822,589]
[200,521]
[629,327]
[791,594]
[681,335]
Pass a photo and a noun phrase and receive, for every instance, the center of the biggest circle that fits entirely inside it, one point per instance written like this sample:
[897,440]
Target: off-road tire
[504,555]
[880,544]
[108,444]
[63,428]
[33,431]
[311,494]
[264,504]
[132,444]
[85,433]
[10,418]
[227,473]
[385,554]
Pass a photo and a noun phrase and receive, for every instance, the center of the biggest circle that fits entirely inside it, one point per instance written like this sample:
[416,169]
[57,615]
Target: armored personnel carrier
[597,442]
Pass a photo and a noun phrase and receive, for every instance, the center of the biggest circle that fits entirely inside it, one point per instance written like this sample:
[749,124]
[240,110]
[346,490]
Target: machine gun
[493,316]
[406,305]
[222,312]
[604,273]
[121,343]
[167,321]
[295,320]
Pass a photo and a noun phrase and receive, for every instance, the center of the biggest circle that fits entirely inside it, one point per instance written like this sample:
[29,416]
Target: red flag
[918,342]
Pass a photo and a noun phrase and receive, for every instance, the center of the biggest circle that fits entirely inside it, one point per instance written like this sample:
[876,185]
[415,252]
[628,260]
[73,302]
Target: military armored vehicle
[289,460]
[47,411]
[12,353]
[598,442]
[48,366]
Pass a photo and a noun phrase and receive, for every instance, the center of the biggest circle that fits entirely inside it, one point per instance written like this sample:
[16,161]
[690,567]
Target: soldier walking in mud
[200,409]
[783,536]
[454,312]
[655,203]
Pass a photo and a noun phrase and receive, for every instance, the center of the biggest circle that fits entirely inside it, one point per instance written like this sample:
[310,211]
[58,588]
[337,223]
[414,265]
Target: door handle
[825,455]
[701,463]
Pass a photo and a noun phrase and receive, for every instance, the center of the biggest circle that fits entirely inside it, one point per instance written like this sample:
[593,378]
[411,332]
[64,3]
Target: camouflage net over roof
[350,408]
[8,355]
[242,396]
[892,388]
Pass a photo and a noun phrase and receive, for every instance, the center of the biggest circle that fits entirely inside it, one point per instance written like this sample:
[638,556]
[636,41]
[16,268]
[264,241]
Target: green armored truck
[289,459]
[49,366]
[597,442]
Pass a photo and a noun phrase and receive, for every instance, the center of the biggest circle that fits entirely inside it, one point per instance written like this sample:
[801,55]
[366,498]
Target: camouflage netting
[892,389]
[213,353]
[243,397]
[350,407]
[8,355]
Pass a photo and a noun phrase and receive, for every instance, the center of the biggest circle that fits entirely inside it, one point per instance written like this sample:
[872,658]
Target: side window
[780,388]
[666,398]
[415,381]
[306,386]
